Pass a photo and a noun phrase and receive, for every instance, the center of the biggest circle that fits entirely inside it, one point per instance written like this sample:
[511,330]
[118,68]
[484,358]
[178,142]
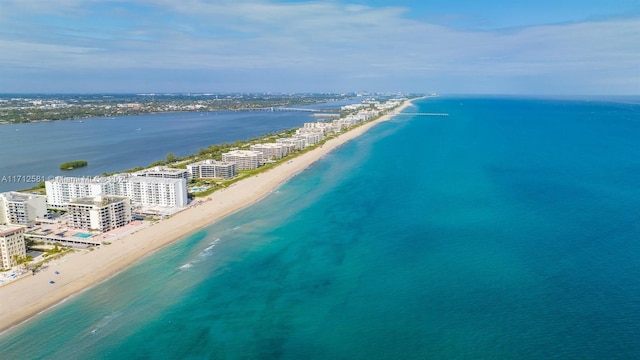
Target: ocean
[509,229]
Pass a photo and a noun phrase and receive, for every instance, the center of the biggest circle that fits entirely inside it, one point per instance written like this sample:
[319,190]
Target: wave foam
[206,252]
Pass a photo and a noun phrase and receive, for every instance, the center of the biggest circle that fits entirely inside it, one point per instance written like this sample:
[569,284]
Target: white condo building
[310,137]
[244,159]
[101,213]
[63,189]
[212,169]
[151,191]
[271,151]
[142,190]
[21,209]
[296,143]
[11,244]
[163,172]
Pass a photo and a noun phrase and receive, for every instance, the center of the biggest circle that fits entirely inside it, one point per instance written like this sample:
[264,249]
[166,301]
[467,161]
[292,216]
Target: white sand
[21,300]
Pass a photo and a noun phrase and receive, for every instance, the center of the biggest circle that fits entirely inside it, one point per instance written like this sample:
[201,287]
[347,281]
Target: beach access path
[24,299]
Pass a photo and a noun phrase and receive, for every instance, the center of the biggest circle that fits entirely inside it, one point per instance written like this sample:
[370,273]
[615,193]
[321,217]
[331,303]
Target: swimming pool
[199,188]
[83,235]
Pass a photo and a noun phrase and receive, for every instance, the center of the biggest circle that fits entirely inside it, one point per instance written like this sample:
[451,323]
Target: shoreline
[29,297]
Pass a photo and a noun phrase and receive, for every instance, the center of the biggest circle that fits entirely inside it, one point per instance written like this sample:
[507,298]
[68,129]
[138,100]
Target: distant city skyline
[162,46]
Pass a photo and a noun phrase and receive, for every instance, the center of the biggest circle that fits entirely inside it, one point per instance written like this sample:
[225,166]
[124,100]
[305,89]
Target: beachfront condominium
[101,213]
[271,151]
[293,143]
[244,159]
[163,172]
[212,169]
[143,191]
[149,192]
[62,189]
[12,245]
[21,209]
[310,137]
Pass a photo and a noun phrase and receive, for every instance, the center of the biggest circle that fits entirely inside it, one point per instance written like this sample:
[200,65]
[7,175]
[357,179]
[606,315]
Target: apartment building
[163,172]
[271,151]
[294,143]
[11,245]
[244,159]
[151,191]
[144,191]
[101,213]
[212,169]
[63,189]
[21,209]
[310,137]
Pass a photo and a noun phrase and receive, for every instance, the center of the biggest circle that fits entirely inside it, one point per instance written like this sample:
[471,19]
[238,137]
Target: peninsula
[23,299]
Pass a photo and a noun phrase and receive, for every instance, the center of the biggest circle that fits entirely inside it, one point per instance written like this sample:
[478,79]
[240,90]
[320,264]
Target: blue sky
[494,47]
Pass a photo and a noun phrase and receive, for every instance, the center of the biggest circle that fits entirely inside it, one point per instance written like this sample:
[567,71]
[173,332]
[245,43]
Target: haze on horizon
[464,46]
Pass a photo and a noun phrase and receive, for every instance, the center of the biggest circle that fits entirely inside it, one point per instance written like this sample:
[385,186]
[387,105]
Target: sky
[564,47]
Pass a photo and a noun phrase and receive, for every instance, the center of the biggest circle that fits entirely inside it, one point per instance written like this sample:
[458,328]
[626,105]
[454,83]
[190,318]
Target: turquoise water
[83,235]
[508,230]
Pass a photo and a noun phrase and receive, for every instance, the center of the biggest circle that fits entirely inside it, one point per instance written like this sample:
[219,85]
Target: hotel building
[244,159]
[212,169]
[21,209]
[11,244]
[101,213]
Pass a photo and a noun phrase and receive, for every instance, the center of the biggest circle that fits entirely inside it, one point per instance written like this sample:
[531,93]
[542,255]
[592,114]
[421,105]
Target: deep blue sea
[507,230]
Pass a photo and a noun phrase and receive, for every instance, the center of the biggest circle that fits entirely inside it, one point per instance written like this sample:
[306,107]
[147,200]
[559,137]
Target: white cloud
[319,38]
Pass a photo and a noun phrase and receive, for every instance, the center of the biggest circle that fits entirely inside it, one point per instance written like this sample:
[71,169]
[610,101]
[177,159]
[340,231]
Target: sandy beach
[23,299]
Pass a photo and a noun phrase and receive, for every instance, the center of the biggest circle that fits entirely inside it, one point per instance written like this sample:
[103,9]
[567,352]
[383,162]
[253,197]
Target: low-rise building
[12,245]
[212,169]
[310,138]
[296,143]
[21,209]
[244,159]
[101,213]
[271,151]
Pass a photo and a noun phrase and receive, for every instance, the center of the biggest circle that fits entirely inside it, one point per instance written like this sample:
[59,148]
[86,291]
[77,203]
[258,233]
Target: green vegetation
[63,107]
[70,165]
[171,157]
[38,189]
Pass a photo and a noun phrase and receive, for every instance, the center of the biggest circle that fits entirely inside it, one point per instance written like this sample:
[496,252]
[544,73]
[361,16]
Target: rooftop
[98,200]
[6,230]
[18,197]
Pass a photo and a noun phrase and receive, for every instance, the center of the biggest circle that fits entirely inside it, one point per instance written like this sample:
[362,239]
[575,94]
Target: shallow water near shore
[508,229]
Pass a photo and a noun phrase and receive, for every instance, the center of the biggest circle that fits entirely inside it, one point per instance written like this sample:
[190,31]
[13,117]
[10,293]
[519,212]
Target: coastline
[22,300]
